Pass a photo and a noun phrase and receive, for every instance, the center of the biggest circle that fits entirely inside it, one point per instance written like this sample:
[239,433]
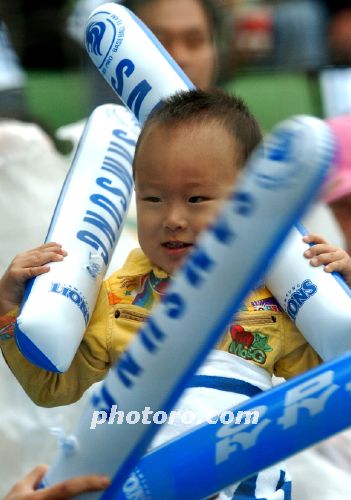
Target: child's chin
[173,268]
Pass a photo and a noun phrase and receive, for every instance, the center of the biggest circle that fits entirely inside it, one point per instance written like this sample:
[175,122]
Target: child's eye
[152,199]
[197,199]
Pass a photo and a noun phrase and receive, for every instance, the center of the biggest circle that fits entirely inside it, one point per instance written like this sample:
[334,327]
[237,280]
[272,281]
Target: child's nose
[175,218]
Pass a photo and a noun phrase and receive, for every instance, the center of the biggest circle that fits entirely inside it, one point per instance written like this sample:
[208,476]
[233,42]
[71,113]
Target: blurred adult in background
[288,35]
[328,40]
[12,78]
[300,28]
[188,30]
[339,31]
[37,32]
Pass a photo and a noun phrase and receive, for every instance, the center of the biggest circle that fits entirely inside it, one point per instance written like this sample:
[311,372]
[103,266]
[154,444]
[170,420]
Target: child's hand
[26,488]
[332,257]
[25,266]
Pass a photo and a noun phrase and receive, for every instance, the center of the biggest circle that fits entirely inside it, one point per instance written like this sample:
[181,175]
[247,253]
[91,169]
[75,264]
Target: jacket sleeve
[298,355]
[90,364]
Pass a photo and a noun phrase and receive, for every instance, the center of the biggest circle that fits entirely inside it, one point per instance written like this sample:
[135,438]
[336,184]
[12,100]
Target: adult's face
[183,28]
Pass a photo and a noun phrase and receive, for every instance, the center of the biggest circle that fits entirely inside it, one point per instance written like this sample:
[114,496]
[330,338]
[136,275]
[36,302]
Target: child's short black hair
[216,106]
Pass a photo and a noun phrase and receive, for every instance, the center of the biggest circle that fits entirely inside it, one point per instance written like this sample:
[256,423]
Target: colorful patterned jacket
[260,333]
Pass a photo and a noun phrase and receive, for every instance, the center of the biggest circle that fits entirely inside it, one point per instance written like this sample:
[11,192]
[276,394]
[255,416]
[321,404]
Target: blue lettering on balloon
[281,150]
[98,221]
[104,241]
[105,398]
[127,367]
[243,203]
[174,305]
[124,67]
[106,204]
[299,297]
[95,242]
[106,184]
[120,151]
[74,295]
[137,96]
[222,231]
[122,134]
[150,334]
[196,265]
[116,168]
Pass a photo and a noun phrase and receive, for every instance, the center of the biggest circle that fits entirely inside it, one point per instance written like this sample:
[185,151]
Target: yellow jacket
[260,333]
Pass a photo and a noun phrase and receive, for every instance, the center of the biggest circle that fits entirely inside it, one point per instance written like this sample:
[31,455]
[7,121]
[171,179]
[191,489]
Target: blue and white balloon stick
[318,302]
[230,257]
[131,59]
[87,221]
[260,432]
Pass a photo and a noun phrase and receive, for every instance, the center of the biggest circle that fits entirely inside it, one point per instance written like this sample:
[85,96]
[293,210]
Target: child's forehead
[182,144]
[182,130]
[199,152]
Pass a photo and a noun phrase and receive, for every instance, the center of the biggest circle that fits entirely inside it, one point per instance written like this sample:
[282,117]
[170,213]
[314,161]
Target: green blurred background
[61,97]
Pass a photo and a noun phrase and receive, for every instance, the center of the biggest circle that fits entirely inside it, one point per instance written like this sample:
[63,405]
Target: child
[187,159]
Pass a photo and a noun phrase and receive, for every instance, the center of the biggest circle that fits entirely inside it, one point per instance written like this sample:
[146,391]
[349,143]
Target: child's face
[182,174]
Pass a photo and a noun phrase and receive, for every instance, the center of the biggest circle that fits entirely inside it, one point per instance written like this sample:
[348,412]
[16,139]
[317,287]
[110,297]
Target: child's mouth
[175,245]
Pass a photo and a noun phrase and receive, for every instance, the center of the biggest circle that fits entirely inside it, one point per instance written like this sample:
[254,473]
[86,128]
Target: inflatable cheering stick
[286,170]
[87,221]
[318,302]
[293,416]
[131,59]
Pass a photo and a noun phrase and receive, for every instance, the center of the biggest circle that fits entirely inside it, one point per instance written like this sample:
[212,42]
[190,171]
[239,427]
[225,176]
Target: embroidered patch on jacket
[113,299]
[129,281]
[150,287]
[249,345]
[268,304]
[8,330]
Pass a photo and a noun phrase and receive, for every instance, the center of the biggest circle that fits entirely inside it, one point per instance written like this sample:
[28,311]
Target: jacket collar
[137,264]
